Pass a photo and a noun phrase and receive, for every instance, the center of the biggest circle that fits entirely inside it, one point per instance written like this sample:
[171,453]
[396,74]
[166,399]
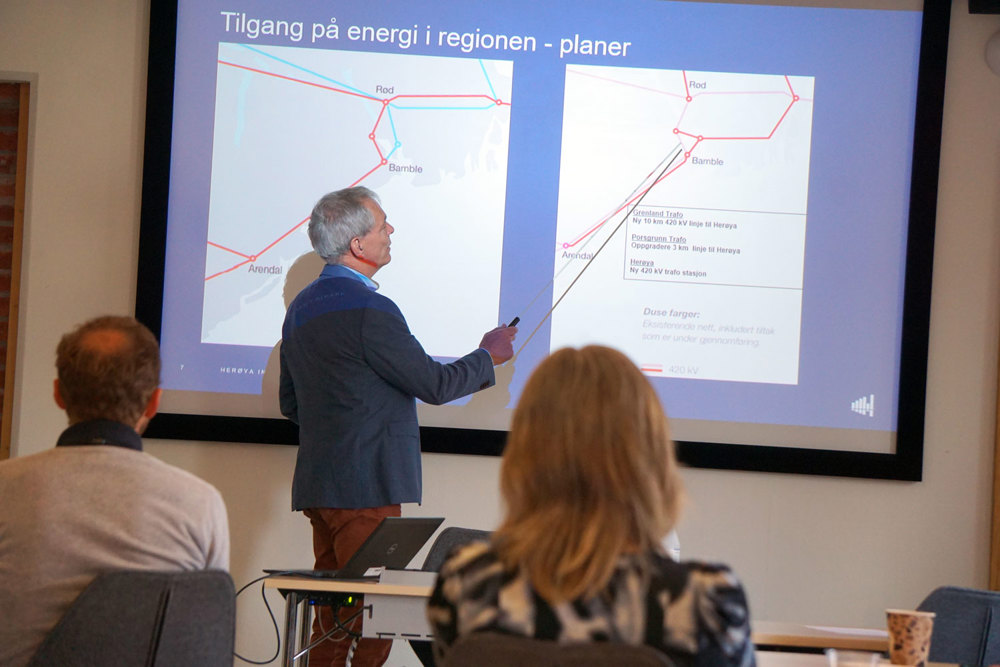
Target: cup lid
[910,612]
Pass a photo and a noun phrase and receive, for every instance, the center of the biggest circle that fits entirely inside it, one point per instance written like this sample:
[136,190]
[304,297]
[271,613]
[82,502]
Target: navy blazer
[350,369]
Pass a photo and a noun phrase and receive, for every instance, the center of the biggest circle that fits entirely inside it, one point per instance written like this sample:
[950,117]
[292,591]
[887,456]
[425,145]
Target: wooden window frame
[6,416]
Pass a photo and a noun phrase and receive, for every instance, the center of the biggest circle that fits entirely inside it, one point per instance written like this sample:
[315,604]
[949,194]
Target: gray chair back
[449,539]
[444,543]
[966,625]
[486,649]
[152,619]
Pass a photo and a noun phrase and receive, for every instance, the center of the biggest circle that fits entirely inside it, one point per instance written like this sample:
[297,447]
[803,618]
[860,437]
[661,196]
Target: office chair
[152,619]
[487,649]
[966,625]
[449,539]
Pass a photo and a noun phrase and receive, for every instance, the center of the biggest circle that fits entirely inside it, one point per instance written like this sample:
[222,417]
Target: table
[395,610]
[771,633]
[394,606]
[787,659]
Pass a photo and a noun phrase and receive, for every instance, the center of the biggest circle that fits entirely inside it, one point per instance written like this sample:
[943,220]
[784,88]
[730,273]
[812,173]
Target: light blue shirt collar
[341,271]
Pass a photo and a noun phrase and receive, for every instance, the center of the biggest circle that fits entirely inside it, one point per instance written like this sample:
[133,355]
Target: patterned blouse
[694,613]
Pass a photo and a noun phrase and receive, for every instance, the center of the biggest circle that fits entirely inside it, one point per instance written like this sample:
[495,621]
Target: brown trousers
[337,534]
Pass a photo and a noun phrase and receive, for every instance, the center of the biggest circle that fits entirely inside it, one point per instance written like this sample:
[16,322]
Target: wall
[810,549]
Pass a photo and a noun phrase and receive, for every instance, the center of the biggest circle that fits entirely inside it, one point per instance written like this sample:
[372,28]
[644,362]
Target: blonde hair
[588,473]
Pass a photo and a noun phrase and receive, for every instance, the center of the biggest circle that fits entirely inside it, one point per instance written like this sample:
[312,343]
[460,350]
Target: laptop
[392,545]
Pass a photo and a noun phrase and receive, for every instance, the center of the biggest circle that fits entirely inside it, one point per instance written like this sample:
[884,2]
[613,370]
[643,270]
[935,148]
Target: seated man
[96,502]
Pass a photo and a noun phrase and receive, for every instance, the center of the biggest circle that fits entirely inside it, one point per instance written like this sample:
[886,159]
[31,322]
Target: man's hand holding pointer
[500,342]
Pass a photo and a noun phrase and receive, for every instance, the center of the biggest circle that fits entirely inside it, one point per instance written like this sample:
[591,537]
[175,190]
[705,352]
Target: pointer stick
[591,260]
[625,201]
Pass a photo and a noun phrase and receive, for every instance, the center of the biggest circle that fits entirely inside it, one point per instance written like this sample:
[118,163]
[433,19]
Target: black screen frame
[905,464]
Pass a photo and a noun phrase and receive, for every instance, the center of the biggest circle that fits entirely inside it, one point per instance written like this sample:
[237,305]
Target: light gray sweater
[70,513]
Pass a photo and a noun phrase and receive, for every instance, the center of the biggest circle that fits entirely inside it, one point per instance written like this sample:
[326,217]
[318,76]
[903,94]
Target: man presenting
[350,373]
[96,502]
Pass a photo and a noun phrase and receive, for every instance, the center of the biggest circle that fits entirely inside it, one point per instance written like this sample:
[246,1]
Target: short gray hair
[337,218]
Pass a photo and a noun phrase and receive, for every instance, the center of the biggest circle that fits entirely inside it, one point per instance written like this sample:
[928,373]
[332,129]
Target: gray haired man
[350,375]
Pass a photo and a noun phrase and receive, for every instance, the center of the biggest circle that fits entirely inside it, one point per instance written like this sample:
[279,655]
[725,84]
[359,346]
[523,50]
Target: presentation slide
[696,272]
[720,191]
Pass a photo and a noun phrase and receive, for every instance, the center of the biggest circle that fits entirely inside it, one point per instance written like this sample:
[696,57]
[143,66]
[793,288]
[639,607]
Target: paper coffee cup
[909,636]
[842,658]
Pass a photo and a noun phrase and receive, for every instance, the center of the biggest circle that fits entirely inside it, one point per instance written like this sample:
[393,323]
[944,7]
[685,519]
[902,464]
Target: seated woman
[591,488]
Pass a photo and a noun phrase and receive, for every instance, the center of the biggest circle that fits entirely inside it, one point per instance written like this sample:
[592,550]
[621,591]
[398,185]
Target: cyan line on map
[392,127]
[489,83]
[304,69]
[395,147]
[389,107]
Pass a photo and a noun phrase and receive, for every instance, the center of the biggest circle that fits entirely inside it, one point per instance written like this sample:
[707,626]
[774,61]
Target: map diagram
[682,220]
[428,134]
